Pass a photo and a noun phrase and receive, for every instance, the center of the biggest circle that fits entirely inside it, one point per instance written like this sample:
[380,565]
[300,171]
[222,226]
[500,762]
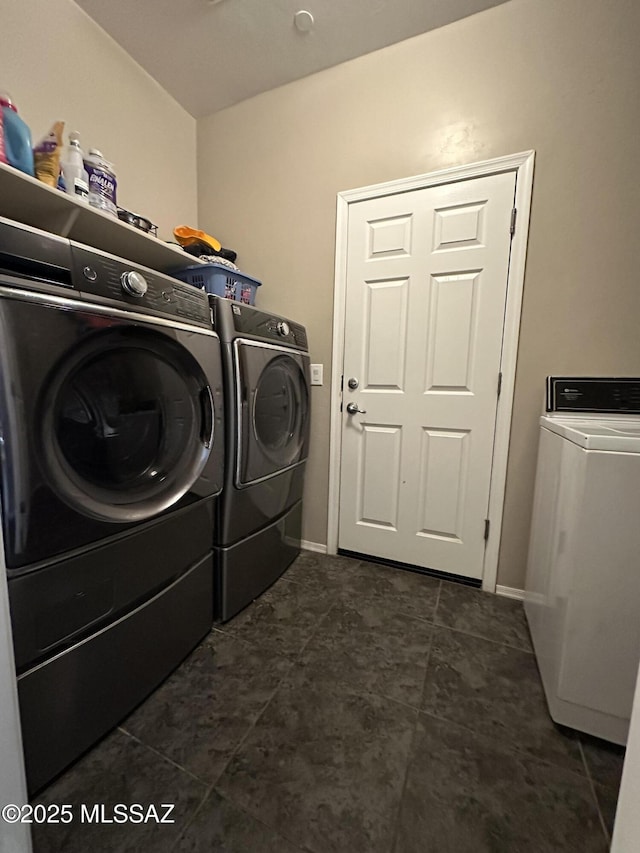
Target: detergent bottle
[75,175]
[17,137]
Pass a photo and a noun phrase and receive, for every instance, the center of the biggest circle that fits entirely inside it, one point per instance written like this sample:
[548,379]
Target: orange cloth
[187,236]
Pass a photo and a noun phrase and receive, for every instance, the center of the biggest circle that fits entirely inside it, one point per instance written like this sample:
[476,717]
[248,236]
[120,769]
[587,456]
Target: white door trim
[522,164]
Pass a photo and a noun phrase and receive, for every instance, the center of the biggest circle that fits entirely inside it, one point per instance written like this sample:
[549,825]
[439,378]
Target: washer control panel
[600,395]
[134,283]
[120,280]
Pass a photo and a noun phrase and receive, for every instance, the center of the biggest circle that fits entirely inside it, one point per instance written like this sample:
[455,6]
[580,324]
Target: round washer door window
[280,411]
[127,426]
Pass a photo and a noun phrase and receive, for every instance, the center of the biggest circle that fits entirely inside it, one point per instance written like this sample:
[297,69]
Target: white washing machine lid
[619,434]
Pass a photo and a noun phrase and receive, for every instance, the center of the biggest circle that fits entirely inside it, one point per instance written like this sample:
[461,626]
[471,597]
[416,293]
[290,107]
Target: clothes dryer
[112,446]
[267,383]
[582,595]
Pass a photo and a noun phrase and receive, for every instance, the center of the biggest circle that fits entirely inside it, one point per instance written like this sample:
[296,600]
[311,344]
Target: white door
[426,289]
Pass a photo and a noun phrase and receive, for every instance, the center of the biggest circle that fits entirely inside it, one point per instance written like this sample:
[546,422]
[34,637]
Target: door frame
[522,164]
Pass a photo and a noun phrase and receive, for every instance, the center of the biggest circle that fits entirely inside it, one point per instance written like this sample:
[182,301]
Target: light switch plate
[316,374]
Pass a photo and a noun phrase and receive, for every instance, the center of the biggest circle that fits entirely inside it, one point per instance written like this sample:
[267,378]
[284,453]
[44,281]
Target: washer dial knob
[283,328]
[133,283]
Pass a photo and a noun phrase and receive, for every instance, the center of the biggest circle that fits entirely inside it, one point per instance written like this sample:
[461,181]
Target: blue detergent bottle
[17,137]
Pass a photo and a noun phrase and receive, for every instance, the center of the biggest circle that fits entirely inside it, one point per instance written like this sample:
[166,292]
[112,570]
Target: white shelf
[27,200]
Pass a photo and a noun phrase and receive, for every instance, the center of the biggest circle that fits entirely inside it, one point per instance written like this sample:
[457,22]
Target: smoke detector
[303,21]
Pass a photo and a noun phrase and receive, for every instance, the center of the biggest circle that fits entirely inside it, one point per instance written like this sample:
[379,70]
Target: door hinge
[487,525]
[499,383]
[512,227]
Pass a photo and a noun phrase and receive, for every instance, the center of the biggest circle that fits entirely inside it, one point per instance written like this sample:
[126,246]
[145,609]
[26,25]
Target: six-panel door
[426,290]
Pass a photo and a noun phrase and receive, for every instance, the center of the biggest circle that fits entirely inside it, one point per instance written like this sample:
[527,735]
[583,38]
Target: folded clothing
[218,259]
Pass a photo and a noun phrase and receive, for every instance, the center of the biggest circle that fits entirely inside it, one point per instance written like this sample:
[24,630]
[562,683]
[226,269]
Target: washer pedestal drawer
[73,699]
[248,568]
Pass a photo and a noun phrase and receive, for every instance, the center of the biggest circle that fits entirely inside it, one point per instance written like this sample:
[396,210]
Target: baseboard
[510,592]
[313,546]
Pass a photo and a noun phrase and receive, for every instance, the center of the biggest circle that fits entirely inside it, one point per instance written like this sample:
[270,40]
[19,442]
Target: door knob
[352,409]
[353,383]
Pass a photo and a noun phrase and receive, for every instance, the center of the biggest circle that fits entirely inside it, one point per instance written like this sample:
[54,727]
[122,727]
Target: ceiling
[210,54]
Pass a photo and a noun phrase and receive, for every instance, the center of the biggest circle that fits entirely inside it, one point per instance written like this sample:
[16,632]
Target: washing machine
[267,382]
[582,597]
[112,455]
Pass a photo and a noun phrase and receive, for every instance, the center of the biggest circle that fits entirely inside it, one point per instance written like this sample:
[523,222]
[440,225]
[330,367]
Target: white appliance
[583,576]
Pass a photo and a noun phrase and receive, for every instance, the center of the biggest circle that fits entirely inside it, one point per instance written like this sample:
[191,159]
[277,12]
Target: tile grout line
[160,754]
[263,823]
[431,622]
[414,735]
[366,694]
[243,740]
[222,627]
[336,687]
[292,580]
[241,808]
[435,609]
[292,663]
[241,743]
[511,749]
[594,794]
[212,786]
[251,727]
[481,637]
[314,632]
[363,694]
[189,820]
[433,619]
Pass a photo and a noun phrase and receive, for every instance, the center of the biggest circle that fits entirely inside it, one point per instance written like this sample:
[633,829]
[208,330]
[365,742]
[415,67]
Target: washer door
[273,401]
[127,425]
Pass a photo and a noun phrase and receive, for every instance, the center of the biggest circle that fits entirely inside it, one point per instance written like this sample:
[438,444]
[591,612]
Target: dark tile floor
[354,708]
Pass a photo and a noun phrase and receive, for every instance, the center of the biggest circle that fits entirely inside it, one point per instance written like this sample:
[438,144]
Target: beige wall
[58,64]
[558,77]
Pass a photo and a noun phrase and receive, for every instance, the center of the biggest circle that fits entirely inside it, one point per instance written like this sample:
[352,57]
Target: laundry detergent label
[102,187]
